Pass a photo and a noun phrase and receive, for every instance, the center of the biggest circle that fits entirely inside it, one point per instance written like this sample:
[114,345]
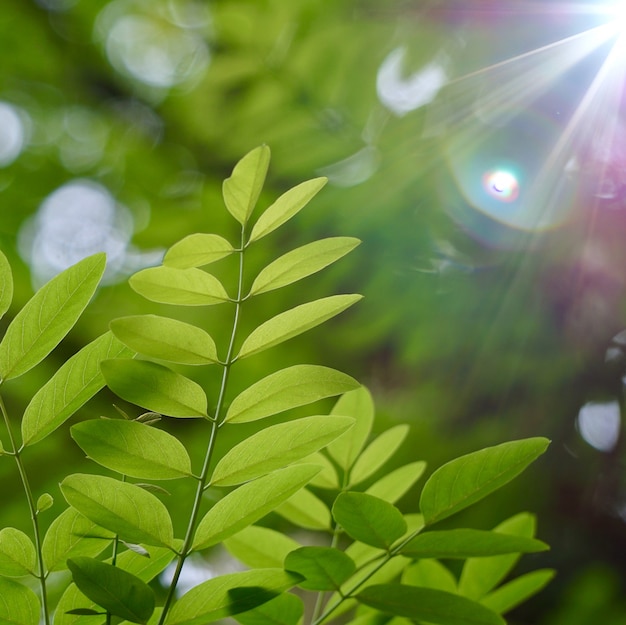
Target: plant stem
[215,423]
[41,574]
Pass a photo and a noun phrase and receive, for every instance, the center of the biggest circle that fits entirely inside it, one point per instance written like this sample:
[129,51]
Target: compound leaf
[286,206]
[302,262]
[77,381]
[197,250]
[155,387]
[230,594]
[249,503]
[48,316]
[277,446]
[117,591]
[17,553]
[182,287]
[260,547]
[128,510]
[241,191]
[295,321]
[288,388]
[466,480]
[395,484]
[369,519]
[166,339]
[6,285]
[19,605]
[468,543]
[427,604]
[323,568]
[133,448]
[377,453]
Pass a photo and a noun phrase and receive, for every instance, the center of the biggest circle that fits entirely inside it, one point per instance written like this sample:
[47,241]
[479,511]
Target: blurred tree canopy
[491,303]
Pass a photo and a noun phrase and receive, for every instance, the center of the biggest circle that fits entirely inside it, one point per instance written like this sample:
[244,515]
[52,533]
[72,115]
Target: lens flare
[501,184]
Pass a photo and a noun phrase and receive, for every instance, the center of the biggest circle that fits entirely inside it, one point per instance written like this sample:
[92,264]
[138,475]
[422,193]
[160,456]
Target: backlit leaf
[286,206]
[323,568]
[277,446]
[128,510]
[45,501]
[155,387]
[48,316]
[166,339]
[197,250]
[427,604]
[466,480]
[6,285]
[395,484]
[230,594]
[71,600]
[77,381]
[119,592]
[133,448]
[285,609]
[369,519]
[429,574]
[302,262]
[306,510]
[517,591]
[468,543]
[19,605]
[377,453]
[249,503]
[183,287]
[288,388]
[70,535]
[327,477]
[359,405]
[241,191]
[17,553]
[294,322]
[260,547]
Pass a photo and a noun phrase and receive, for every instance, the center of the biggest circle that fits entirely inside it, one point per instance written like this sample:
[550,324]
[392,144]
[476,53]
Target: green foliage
[323,473]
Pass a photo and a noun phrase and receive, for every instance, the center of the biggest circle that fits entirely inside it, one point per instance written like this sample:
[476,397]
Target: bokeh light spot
[599,424]
[12,133]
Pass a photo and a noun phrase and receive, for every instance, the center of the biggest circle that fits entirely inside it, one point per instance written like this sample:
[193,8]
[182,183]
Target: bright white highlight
[599,424]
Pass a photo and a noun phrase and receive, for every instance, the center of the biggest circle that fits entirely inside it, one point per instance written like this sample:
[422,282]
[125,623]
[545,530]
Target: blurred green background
[489,195]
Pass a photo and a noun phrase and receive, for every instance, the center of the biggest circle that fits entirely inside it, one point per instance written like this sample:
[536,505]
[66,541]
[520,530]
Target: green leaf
[395,484]
[19,605]
[277,446]
[6,285]
[197,250]
[288,388]
[49,315]
[77,381]
[323,568]
[306,510]
[294,322]
[359,405]
[133,448]
[285,609]
[45,501]
[71,600]
[166,339]
[260,547]
[241,191]
[480,575]
[468,543]
[369,519]
[146,569]
[182,287]
[117,591]
[128,510]
[286,206]
[302,262]
[377,453]
[426,604]
[468,479]
[70,535]
[230,594]
[17,553]
[249,503]
[429,574]
[155,387]
[327,477]
[517,591]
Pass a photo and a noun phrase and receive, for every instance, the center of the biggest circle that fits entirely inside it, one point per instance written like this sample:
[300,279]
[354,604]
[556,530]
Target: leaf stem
[215,424]
[41,574]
